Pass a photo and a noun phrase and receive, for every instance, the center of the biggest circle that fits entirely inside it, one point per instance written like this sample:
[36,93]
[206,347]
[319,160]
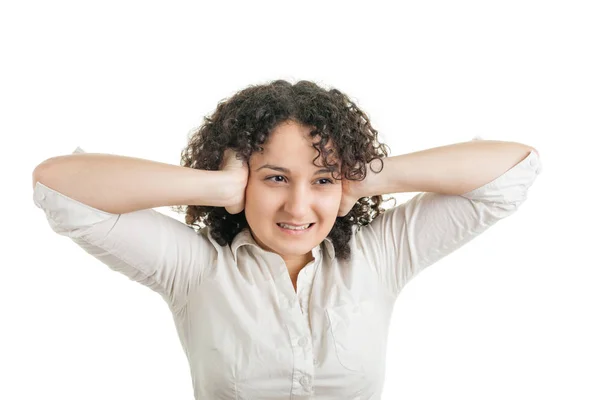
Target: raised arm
[467,187]
[102,202]
[119,184]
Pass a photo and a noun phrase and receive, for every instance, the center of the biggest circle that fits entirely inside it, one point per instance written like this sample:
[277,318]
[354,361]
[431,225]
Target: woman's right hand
[239,170]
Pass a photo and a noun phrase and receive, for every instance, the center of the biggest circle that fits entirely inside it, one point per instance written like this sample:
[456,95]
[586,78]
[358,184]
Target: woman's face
[300,195]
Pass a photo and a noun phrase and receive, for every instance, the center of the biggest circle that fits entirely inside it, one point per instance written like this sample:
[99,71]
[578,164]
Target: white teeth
[298,228]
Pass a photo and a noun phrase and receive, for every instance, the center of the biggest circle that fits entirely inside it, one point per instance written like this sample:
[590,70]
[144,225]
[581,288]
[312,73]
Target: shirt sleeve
[409,237]
[147,246]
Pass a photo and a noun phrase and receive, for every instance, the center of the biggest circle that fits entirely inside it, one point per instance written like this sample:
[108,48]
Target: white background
[512,315]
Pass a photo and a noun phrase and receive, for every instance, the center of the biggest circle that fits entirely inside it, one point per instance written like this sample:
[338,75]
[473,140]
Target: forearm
[453,169]
[119,184]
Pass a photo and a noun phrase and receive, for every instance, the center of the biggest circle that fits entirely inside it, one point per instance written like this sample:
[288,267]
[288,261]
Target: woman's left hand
[354,190]
[349,198]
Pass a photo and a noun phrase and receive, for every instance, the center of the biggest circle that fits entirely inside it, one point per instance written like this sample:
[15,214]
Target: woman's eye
[270,178]
[325,179]
[276,176]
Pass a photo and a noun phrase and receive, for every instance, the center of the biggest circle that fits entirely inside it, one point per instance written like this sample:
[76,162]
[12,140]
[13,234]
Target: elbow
[40,170]
[531,148]
[35,175]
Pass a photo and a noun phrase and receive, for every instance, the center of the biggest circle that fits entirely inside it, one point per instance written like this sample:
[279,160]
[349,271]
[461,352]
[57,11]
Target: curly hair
[244,122]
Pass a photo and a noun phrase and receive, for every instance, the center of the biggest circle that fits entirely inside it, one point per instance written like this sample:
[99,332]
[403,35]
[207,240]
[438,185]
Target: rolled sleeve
[147,246]
[412,236]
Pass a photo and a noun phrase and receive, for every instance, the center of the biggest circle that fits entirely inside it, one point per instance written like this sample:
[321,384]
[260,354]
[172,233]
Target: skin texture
[274,196]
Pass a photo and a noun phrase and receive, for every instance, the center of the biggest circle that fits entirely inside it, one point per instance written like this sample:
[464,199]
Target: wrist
[372,184]
[233,187]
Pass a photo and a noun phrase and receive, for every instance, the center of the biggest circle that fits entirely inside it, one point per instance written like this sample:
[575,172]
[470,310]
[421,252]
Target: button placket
[300,340]
[298,325]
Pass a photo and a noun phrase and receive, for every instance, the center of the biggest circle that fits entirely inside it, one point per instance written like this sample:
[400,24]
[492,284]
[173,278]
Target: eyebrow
[287,171]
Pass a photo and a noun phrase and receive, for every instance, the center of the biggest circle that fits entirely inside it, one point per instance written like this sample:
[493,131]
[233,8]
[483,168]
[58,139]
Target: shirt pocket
[357,333]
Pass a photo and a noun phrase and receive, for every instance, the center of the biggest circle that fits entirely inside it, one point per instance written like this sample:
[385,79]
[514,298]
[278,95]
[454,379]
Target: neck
[295,265]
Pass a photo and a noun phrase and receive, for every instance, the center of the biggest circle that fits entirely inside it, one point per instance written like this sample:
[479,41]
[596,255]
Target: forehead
[290,144]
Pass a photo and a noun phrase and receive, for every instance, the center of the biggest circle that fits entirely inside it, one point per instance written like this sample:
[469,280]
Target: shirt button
[315,362]
[304,381]
[42,196]
[303,341]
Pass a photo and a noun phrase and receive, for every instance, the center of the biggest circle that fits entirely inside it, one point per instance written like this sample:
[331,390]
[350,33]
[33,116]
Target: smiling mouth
[297,230]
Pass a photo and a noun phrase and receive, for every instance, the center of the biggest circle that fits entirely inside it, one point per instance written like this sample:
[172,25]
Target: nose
[297,204]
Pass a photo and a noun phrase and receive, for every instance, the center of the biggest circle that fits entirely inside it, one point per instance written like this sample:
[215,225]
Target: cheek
[330,203]
[259,200]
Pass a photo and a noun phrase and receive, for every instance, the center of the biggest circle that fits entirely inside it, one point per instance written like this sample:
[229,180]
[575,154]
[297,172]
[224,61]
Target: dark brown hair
[244,122]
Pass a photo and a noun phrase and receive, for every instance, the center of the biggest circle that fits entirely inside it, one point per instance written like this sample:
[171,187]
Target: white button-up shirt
[245,331]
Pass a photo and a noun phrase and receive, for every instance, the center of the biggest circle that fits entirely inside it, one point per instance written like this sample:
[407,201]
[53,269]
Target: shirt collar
[244,237]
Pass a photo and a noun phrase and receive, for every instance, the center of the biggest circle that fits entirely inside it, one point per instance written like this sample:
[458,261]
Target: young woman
[286,288]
